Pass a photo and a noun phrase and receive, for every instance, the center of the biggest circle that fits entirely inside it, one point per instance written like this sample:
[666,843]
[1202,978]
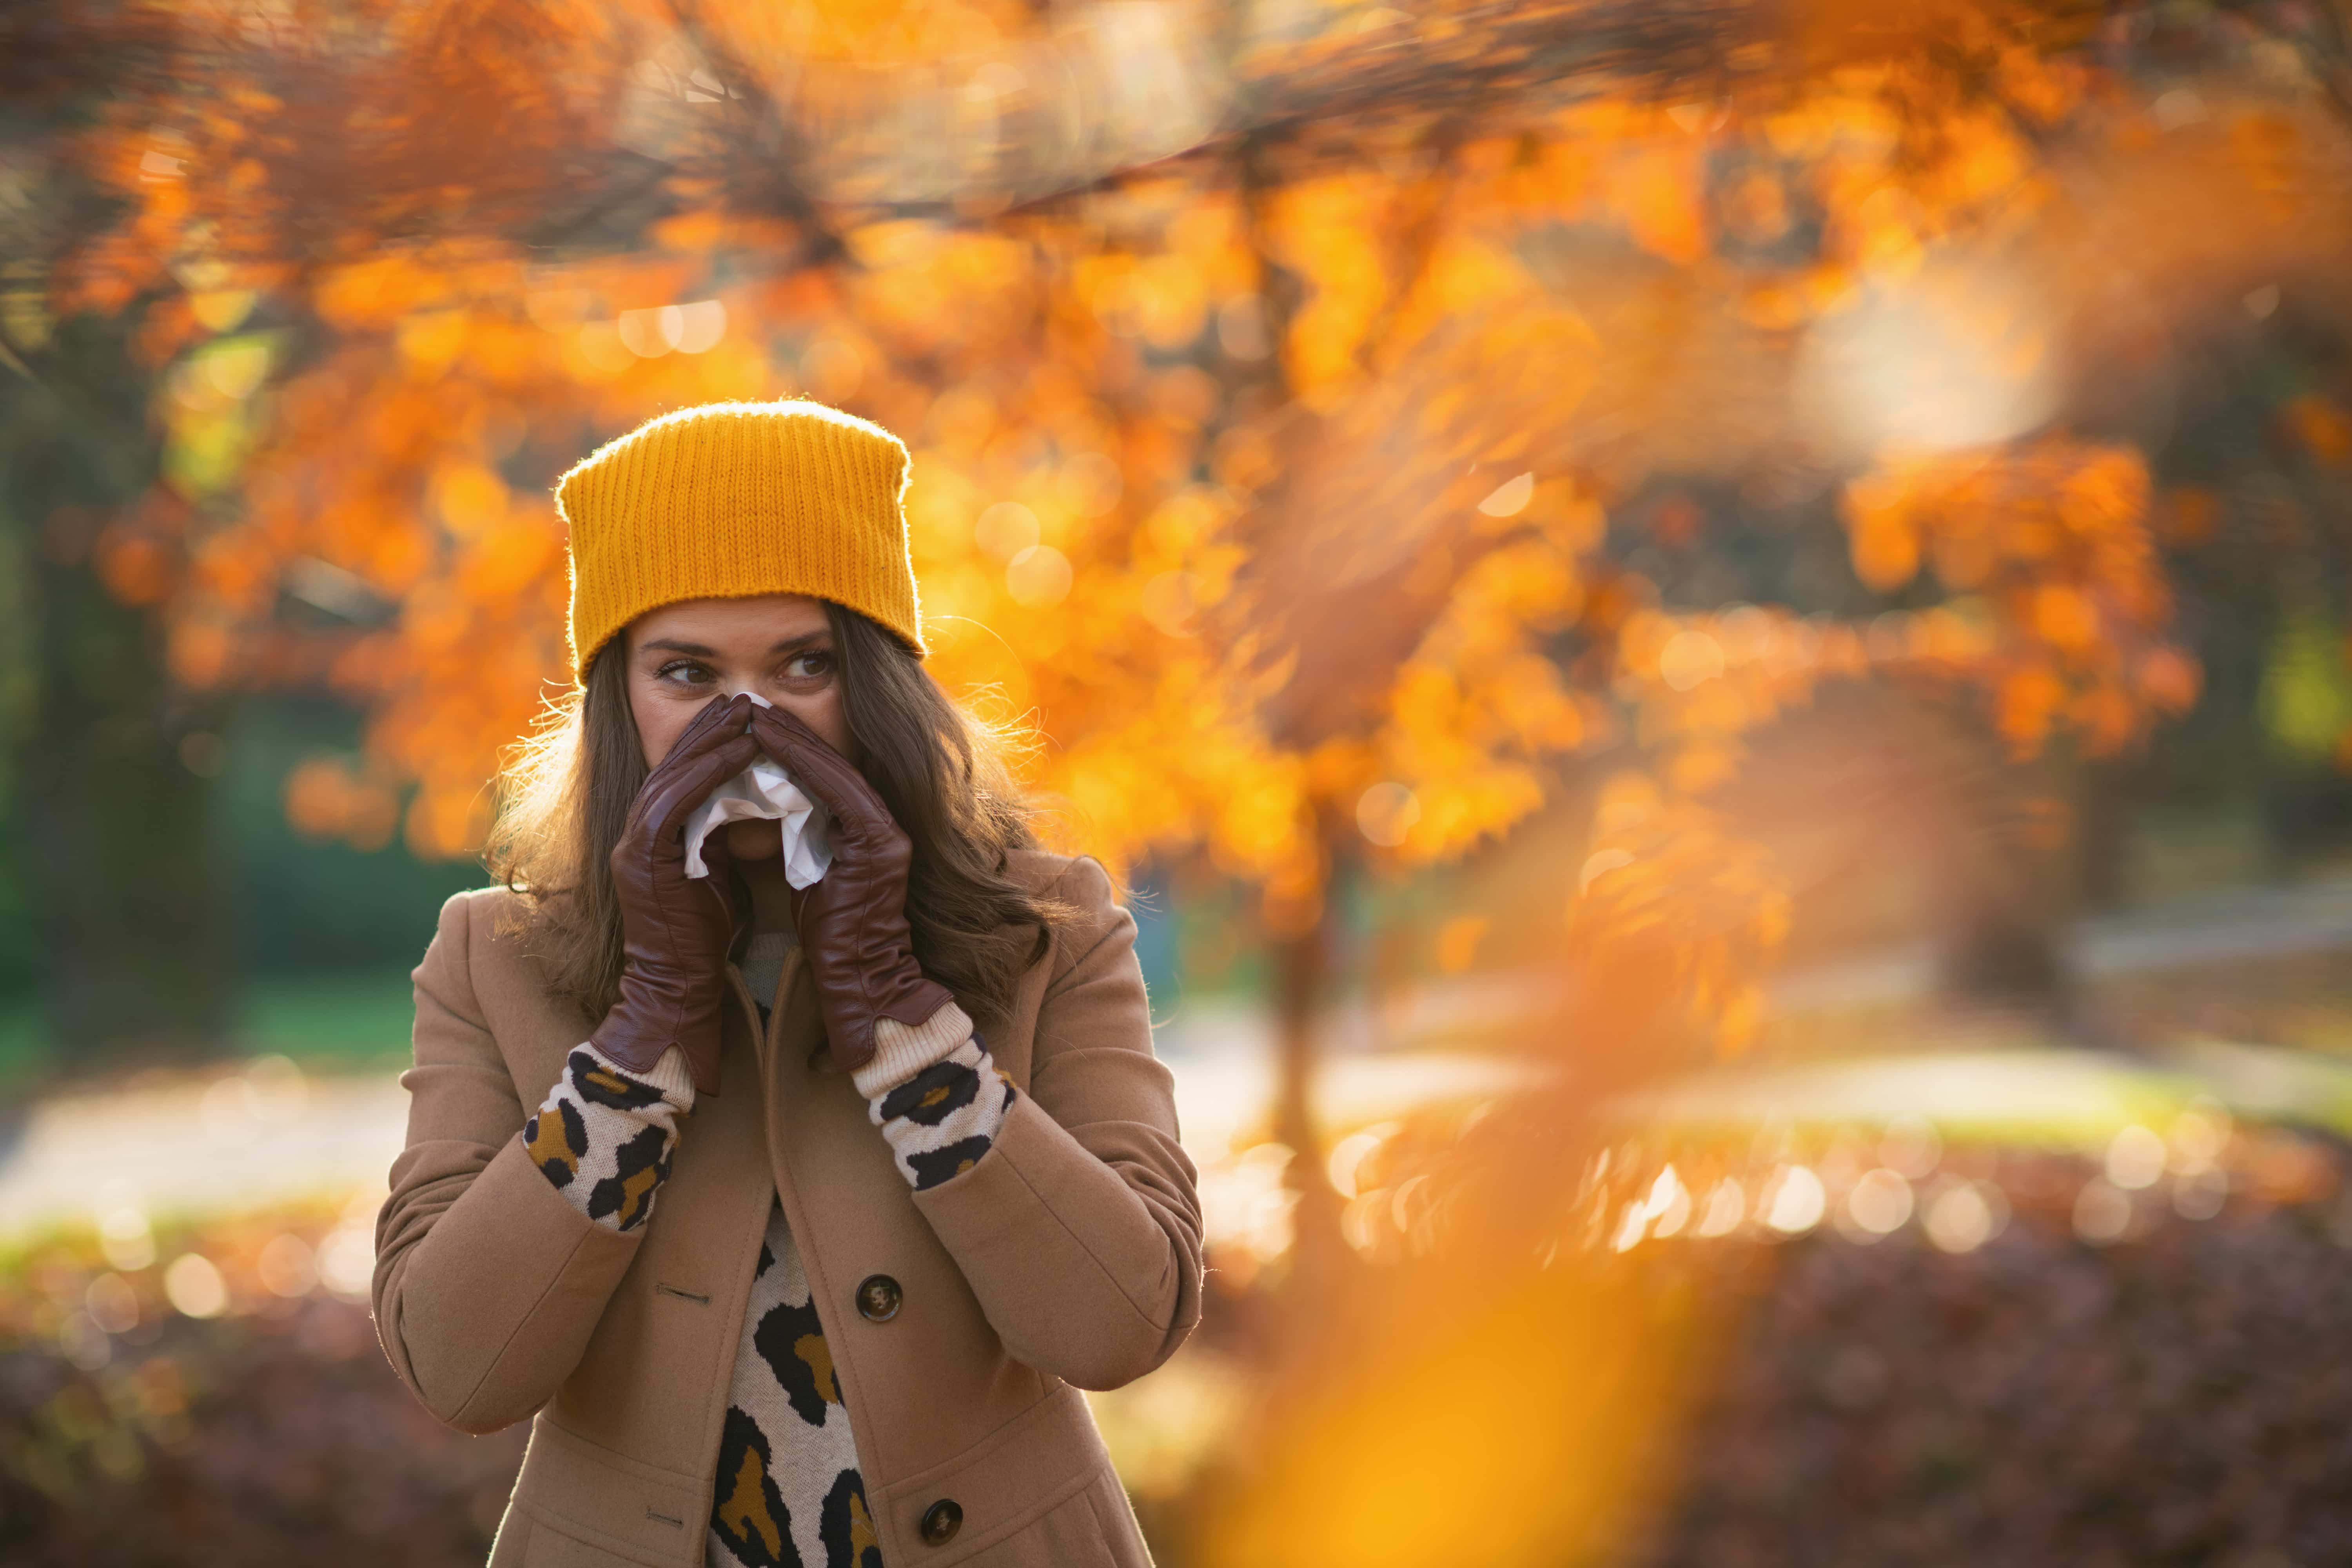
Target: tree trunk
[2103,834]
[2002,889]
[1302,972]
[122,844]
[111,817]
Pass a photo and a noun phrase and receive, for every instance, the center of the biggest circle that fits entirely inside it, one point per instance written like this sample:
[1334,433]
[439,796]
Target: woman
[795,1220]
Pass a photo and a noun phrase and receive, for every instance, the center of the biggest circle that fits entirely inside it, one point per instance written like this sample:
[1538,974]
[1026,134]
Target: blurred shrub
[2168,1395]
[2178,1396]
[254,1440]
[211,1391]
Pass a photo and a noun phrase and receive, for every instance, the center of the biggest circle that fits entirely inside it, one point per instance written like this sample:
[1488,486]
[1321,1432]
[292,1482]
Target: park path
[266,1131]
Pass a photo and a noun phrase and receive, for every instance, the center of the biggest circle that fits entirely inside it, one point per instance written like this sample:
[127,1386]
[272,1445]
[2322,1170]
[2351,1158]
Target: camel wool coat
[1067,1258]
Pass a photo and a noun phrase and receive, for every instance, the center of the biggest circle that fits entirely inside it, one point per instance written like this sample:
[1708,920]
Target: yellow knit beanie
[733,500]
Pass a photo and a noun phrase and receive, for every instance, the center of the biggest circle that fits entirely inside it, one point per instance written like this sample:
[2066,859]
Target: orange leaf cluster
[1266,495]
[2052,542]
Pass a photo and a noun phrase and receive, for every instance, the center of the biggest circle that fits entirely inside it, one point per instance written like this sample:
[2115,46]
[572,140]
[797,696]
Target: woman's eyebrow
[701,650]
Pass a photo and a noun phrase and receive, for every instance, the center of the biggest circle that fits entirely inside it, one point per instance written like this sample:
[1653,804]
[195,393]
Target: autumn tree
[1299,403]
[1314,411]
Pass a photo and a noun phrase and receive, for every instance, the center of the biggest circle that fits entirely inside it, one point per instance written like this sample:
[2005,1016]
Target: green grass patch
[24,1042]
[328,1023]
[356,1020]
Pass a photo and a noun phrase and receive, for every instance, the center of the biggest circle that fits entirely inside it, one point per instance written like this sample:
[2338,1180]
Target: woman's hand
[853,920]
[676,930]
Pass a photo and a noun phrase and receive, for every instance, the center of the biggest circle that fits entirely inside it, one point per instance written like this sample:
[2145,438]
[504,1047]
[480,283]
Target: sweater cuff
[670,1078]
[902,1050]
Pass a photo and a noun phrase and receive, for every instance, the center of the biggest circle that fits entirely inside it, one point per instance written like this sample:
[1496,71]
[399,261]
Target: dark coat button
[877,1302]
[941,1521]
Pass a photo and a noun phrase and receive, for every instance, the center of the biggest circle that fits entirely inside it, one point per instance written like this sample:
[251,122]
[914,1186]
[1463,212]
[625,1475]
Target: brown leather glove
[674,928]
[853,921]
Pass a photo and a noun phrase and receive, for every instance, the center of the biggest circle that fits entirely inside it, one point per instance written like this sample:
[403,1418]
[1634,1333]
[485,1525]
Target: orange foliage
[2051,543]
[1268,485]
[1270,394]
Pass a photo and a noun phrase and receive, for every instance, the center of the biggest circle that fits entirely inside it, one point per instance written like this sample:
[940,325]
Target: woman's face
[778,646]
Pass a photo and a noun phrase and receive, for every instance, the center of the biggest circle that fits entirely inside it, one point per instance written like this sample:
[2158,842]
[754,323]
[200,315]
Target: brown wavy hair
[565,796]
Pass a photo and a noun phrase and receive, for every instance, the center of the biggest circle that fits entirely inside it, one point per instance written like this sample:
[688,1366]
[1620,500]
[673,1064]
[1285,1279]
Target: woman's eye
[809,666]
[685,671]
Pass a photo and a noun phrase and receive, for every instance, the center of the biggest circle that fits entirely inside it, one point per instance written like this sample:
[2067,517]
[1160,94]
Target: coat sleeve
[488,1282]
[1080,1230]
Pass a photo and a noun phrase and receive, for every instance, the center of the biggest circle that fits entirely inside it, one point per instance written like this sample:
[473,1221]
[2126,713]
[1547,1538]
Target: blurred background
[1712,639]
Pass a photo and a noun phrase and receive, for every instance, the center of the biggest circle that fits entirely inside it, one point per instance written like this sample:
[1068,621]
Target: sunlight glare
[2135,1158]
[194,1286]
[1964,1216]
[1726,1205]
[1511,498]
[1947,358]
[1798,1201]
[1348,1155]
[1881,1201]
[1669,1203]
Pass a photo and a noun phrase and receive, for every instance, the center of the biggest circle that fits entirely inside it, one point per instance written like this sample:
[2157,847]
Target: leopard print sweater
[789,1490]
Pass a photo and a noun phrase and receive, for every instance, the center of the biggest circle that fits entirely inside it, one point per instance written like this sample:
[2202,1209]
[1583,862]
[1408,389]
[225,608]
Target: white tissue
[765,792]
